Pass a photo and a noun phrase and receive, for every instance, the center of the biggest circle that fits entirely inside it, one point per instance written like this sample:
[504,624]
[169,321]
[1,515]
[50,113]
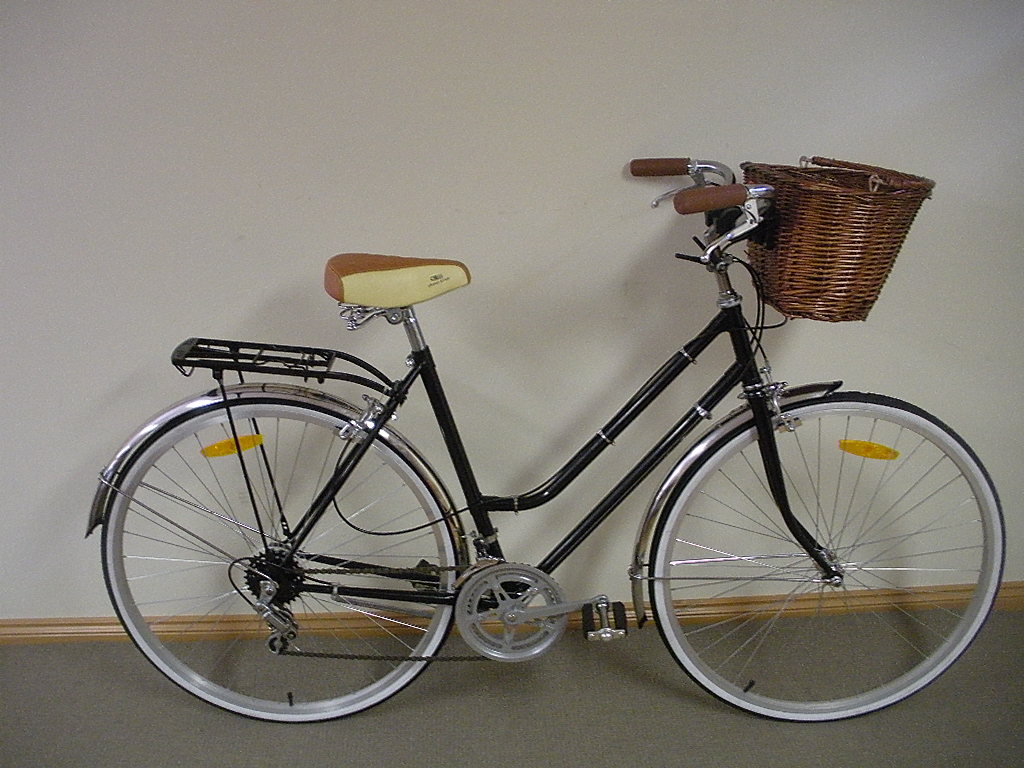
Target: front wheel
[901,504]
[195,554]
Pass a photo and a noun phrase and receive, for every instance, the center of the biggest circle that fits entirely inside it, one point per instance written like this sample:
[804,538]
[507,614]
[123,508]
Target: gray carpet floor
[583,704]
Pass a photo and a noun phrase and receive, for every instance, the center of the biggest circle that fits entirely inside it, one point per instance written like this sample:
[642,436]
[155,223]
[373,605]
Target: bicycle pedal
[612,619]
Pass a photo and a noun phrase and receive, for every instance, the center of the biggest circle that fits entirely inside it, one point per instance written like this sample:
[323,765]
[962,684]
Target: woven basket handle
[879,176]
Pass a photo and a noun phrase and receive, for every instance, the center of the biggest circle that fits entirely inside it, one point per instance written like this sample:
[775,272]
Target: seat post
[413,330]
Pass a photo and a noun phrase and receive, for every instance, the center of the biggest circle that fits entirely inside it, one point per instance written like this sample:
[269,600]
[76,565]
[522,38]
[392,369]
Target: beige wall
[172,169]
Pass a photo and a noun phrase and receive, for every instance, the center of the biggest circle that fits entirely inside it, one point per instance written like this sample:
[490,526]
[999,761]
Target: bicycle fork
[762,394]
[764,408]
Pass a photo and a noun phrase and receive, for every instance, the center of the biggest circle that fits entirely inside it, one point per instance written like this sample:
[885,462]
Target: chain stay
[370,656]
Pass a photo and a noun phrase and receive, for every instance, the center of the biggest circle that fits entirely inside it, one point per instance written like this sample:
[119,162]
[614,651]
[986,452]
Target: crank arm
[557,609]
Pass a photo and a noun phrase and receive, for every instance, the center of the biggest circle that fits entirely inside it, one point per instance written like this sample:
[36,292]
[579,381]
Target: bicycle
[258,532]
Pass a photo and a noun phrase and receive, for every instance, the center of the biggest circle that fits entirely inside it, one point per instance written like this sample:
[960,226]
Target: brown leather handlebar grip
[660,166]
[697,199]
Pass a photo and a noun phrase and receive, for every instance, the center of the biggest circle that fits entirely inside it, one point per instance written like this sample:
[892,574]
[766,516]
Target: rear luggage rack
[307,363]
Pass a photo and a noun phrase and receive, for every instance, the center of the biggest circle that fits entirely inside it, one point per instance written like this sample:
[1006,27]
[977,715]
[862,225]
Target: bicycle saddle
[374,280]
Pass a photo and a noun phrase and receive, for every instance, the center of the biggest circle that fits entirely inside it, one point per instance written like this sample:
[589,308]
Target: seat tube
[487,539]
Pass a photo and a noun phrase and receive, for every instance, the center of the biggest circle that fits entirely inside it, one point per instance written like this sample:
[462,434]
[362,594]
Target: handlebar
[660,166]
[749,201]
[699,199]
[702,197]
[681,166]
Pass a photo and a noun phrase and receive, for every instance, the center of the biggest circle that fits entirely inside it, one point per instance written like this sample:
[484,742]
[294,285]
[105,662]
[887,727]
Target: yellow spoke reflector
[228,448]
[868,450]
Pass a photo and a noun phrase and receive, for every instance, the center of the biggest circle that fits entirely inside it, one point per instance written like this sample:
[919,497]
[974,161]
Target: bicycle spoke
[916,546]
[187,565]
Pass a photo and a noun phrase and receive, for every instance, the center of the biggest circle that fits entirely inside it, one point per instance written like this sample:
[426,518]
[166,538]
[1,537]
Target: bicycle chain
[382,570]
[372,657]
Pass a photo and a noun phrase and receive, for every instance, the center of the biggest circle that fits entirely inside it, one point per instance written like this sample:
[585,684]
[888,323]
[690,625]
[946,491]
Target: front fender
[666,491]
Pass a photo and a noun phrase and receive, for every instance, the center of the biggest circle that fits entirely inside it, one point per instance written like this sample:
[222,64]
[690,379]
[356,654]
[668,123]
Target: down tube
[605,437]
[644,467]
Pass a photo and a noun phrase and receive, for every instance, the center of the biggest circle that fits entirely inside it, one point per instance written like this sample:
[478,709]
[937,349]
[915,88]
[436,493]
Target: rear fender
[123,459]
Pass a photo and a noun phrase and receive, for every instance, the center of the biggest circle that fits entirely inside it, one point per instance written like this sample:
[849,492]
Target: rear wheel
[903,506]
[197,566]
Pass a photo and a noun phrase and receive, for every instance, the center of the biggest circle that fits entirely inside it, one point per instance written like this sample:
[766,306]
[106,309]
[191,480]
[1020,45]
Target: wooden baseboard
[1011,596]
[13,631]
[103,628]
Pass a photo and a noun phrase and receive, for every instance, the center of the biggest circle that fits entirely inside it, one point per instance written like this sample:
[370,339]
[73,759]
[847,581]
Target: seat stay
[399,392]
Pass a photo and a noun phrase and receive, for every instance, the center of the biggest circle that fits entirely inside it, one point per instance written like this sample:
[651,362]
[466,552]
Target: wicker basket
[833,235]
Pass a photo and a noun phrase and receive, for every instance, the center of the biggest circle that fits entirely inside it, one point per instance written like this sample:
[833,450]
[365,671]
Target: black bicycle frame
[743,371]
[729,320]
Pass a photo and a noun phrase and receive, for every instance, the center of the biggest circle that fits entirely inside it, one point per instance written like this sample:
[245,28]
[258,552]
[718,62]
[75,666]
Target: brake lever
[671,193]
[697,169]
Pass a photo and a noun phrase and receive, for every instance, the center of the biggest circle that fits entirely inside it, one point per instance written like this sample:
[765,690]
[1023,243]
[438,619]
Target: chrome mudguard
[300,395]
[666,491]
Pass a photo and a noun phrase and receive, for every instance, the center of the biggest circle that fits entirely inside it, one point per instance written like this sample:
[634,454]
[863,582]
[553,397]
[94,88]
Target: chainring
[489,612]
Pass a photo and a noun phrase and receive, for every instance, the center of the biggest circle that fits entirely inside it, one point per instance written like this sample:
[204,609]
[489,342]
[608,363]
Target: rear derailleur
[274,582]
[283,628]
